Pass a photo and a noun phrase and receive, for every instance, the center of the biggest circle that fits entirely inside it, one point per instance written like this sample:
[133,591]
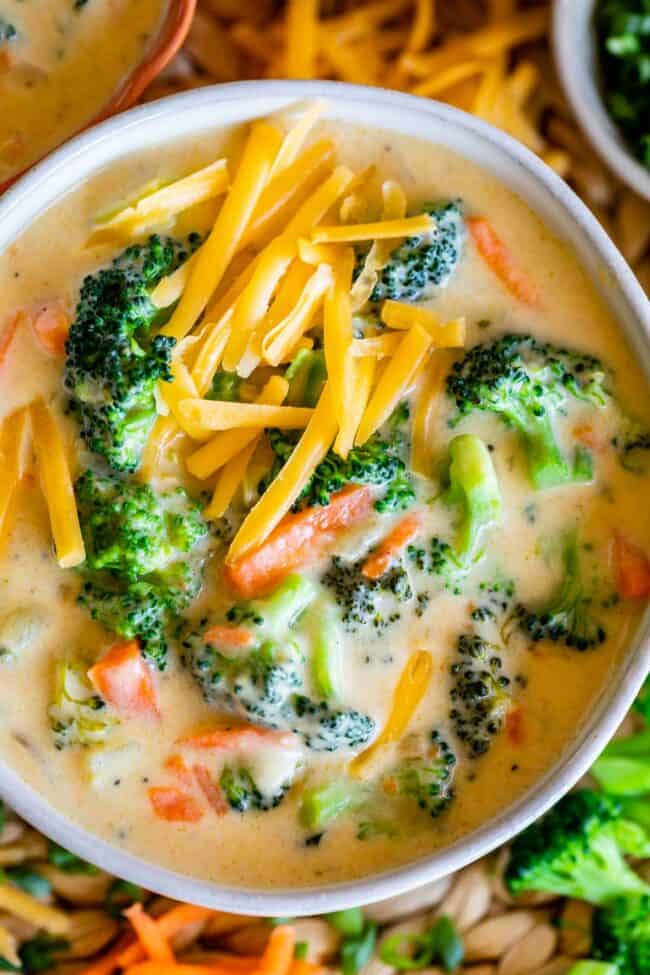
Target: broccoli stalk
[474,490]
[621,934]
[567,616]
[623,768]
[325,652]
[527,383]
[577,850]
[306,377]
[276,613]
[322,804]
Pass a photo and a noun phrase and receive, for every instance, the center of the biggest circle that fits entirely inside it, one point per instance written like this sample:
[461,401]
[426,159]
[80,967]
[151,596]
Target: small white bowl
[576,57]
[192,115]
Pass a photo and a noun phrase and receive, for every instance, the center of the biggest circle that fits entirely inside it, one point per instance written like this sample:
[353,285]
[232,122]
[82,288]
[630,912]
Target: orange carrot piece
[238,963]
[631,568]
[169,924]
[300,966]
[51,325]
[238,737]
[500,260]
[391,547]
[9,333]
[210,790]
[515,728]
[299,539]
[278,954]
[107,964]
[149,935]
[177,766]
[588,435]
[124,680]
[229,636]
[175,805]
[177,968]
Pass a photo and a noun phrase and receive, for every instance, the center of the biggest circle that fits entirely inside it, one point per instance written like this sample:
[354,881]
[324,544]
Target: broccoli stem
[324,803]
[325,653]
[547,465]
[474,487]
[306,376]
[285,604]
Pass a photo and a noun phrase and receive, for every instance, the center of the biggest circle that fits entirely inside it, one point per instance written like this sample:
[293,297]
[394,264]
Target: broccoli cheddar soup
[60,63]
[324,516]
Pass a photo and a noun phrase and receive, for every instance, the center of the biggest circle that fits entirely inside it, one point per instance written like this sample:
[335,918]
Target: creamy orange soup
[60,63]
[493,690]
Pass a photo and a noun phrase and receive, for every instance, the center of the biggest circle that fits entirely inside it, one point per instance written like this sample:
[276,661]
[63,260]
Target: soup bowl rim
[556,203]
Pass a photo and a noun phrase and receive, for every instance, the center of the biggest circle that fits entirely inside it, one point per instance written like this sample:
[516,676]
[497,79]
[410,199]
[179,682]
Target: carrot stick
[299,539]
[174,805]
[500,260]
[124,680]
[169,924]
[631,568]
[51,325]
[149,934]
[239,737]
[107,964]
[389,550]
[177,968]
[229,636]
[278,954]
[210,790]
[7,336]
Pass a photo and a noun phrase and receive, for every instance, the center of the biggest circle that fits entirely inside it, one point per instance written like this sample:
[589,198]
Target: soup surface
[340,667]
[57,70]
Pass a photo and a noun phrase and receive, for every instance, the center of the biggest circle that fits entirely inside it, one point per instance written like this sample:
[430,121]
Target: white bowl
[574,46]
[198,112]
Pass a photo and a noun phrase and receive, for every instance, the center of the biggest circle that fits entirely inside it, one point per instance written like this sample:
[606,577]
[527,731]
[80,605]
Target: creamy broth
[552,686]
[60,63]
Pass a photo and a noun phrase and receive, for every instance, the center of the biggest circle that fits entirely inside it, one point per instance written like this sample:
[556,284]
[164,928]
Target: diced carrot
[632,569]
[149,935]
[500,260]
[175,805]
[515,728]
[391,547]
[9,333]
[178,767]
[588,435]
[299,539]
[237,737]
[229,636]
[210,790]
[171,923]
[125,681]
[51,325]
[278,954]
[108,963]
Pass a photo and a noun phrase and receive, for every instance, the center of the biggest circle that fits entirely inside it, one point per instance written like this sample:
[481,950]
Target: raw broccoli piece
[621,934]
[364,602]
[623,768]
[426,777]
[78,715]
[422,264]
[306,377]
[479,694]
[527,383]
[144,557]
[242,793]
[568,615]
[114,358]
[577,850]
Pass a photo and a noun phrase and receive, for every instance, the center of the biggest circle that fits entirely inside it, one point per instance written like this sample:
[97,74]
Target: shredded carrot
[51,325]
[170,923]
[149,935]
[178,767]
[9,333]
[175,805]
[229,636]
[631,568]
[237,737]
[107,964]
[278,954]
[210,790]
[500,260]
[391,547]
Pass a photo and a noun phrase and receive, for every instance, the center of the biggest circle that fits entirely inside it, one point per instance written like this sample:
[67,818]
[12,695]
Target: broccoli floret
[567,617]
[621,934]
[426,777]
[479,694]
[623,768]
[439,559]
[632,443]
[243,793]
[143,557]
[577,850]
[422,264]
[114,358]
[366,602]
[527,383]
[276,613]
[78,715]
[325,729]
[306,377]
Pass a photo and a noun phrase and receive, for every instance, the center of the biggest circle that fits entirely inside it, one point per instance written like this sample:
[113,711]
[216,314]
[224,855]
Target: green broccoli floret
[226,386]
[306,377]
[632,443]
[276,613]
[426,777]
[78,715]
[577,850]
[244,793]
[621,934]
[326,729]
[422,264]
[144,557]
[527,384]
[568,615]
[479,694]
[114,358]
[364,602]
[623,768]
